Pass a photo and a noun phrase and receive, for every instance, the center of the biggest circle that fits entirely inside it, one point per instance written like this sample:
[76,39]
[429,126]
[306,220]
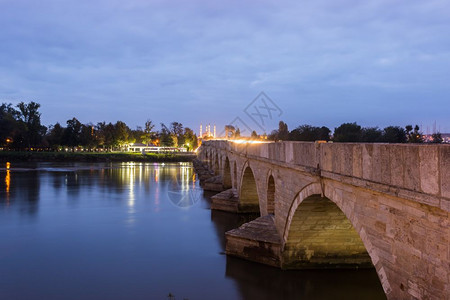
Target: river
[136,231]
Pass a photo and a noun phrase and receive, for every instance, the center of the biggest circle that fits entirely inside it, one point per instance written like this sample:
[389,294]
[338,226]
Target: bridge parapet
[418,172]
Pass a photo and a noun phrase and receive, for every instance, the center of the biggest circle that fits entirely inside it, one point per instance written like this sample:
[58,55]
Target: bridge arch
[270,203]
[321,232]
[227,182]
[248,192]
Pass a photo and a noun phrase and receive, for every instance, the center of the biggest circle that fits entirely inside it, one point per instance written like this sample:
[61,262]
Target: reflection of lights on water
[130,174]
[181,193]
[7,181]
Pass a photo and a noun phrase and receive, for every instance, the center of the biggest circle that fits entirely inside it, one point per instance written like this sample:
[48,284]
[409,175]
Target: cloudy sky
[376,62]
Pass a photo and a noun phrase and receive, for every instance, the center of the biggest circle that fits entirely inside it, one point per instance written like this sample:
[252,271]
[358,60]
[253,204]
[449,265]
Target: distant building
[143,148]
[207,134]
[428,138]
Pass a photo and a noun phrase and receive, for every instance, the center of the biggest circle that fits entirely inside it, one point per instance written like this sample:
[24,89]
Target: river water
[136,231]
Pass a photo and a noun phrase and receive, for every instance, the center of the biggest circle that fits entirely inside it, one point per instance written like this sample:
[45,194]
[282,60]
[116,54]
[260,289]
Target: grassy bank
[14,156]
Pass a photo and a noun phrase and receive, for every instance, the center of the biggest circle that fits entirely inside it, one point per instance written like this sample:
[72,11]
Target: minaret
[214,130]
[201,130]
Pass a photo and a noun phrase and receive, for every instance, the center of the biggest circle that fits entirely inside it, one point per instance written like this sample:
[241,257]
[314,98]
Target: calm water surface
[136,231]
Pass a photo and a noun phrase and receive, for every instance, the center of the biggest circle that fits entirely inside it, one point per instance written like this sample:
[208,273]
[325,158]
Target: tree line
[21,128]
[352,132]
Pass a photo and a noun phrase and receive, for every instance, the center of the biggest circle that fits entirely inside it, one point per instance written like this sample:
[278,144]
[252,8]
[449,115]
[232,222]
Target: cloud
[204,61]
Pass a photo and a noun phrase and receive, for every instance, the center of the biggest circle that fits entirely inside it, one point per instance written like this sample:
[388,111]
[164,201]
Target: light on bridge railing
[248,142]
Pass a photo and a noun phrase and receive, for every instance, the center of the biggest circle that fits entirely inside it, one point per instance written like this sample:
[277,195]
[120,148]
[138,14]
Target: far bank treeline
[21,128]
[352,132]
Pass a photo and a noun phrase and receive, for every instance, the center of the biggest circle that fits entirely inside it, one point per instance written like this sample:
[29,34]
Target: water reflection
[256,281]
[119,234]
[7,181]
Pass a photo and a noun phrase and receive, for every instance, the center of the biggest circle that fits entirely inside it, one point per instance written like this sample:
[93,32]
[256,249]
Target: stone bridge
[327,205]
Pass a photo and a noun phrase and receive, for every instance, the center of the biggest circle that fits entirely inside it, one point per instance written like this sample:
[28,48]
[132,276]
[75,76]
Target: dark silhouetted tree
[30,117]
[8,124]
[309,133]
[371,135]
[282,134]
[413,136]
[394,134]
[71,136]
[55,136]
[347,132]
[149,135]
[166,136]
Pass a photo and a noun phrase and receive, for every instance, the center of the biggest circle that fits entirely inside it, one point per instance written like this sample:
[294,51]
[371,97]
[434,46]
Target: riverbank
[15,156]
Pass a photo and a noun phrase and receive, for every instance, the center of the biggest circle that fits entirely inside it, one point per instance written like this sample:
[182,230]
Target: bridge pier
[208,180]
[228,200]
[256,241]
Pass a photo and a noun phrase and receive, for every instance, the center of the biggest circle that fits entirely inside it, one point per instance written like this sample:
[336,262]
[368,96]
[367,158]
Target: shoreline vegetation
[29,156]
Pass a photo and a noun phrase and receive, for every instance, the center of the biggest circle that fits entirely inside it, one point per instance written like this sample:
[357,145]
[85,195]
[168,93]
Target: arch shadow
[320,233]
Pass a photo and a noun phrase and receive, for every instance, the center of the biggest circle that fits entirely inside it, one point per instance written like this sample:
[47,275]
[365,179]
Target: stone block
[326,157]
[367,161]
[289,152]
[346,159]
[357,160]
[412,168]
[445,170]
[336,158]
[264,150]
[377,162]
[385,164]
[396,165]
[429,169]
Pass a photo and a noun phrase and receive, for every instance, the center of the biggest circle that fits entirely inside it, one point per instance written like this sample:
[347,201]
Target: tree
[237,134]
[149,135]
[8,124]
[371,135]
[121,134]
[190,139]
[30,117]
[394,134]
[413,136]
[254,135]
[281,134]
[347,132]
[166,137]
[71,136]
[309,133]
[87,136]
[55,136]
[177,133]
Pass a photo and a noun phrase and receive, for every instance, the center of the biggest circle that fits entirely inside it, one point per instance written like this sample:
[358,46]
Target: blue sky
[382,62]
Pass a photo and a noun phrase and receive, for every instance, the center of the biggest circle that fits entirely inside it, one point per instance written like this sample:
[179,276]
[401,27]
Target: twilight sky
[376,62]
